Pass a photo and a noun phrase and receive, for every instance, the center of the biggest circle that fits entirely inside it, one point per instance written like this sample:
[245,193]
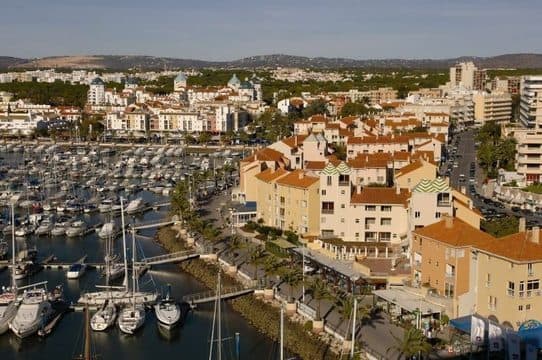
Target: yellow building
[409,176]
[289,201]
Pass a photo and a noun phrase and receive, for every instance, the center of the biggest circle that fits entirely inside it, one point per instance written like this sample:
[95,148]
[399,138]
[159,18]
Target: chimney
[470,204]
[521,224]
[397,189]
[358,188]
[535,235]
[448,221]
[301,174]
[463,190]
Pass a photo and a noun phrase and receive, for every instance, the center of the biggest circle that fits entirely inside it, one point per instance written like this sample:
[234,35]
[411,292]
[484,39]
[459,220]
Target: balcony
[344,183]
[450,276]
[328,211]
[443,203]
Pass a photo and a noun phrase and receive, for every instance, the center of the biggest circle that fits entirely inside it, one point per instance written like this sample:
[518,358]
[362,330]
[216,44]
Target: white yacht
[104,317]
[8,310]
[34,312]
[22,270]
[107,230]
[131,318]
[45,227]
[135,206]
[75,271]
[168,312]
[105,205]
[77,228]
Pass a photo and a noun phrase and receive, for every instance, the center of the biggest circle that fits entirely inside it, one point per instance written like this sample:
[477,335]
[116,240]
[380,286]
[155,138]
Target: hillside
[125,62]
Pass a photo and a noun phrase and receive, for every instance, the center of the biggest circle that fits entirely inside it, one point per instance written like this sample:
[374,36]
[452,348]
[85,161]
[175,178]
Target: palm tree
[257,258]
[319,291]
[412,343]
[292,278]
[346,309]
[271,266]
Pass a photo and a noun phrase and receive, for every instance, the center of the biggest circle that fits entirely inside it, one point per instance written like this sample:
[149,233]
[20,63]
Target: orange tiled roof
[266,154]
[348,120]
[376,160]
[459,234]
[298,179]
[315,165]
[409,168]
[269,175]
[381,195]
[294,141]
[388,139]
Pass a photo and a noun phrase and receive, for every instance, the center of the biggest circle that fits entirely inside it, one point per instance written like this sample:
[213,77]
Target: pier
[175,257]
[209,296]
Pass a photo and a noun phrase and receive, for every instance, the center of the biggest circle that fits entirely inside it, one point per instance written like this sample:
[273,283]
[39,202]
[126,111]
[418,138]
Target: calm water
[191,341]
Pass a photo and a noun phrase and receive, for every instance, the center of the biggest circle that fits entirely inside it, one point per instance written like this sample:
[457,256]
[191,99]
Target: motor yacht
[34,312]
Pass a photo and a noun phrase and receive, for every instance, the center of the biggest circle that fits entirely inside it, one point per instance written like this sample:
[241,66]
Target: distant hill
[125,62]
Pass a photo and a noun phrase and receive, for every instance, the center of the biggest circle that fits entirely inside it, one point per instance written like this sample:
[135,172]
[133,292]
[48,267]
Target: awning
[462,323]
[408,301]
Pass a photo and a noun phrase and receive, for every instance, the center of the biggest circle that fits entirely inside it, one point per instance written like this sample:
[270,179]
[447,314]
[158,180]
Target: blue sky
[231,29]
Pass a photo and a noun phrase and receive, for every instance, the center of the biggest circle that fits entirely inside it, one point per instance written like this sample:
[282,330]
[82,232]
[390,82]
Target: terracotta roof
[345,133]
[333,126]
[474,210]
[349,120]
[298,179]
[266,154]
[294,141]
[317,118]
[376,160]
[381,195]
[269,175]
[459,234]
[315,165]
[296,102]
[409,168]
[389,139]
[517,247]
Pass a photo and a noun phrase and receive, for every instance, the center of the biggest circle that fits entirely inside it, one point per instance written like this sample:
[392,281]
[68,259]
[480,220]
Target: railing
[328,211]
[211,294]
[344,183]
[166,257]
[443,203]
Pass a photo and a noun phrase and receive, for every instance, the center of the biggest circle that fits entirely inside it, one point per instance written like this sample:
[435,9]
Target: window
[370,236]
[386,208]
[370,208]
[342,206]
[342,220]
[449,290]
[329,181]
[344,180]
[356,235]
[492,303]
[417,214]
[532,287]
[323,192]
[527,307]
[343,192]
[520,308]
[530,269]
[511,286]
[385,236]
[521,288]
[328,207]
[357,221]
[385,221]
[282,199]
[437,215]
[303,203]
[380,179]
[488,280]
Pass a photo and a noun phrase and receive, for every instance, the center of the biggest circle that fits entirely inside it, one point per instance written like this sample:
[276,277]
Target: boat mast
[87,355]
[124,244]
[13,282]
[281,331]
[354,328]
[133,266]
[219,285]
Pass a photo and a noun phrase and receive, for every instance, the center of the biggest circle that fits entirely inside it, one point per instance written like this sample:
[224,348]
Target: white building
[530,107]
[492,107]
[96,92]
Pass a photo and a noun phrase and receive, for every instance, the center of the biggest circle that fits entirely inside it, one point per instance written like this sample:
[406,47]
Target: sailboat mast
[13,282]
[133,265]
[354,329]
[87,355]
[124,243]
[282,332]
[219,285]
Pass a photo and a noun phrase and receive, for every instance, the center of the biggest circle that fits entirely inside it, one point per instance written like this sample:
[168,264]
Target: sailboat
[217,315]
[105,317]
[168,311]
[9,304]
[131,318]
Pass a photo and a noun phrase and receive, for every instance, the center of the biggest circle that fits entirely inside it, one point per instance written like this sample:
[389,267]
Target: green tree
[316,107]
[292,278]
[340,151]
[204,137]
[354,108]
[319,291]
[257,258]
[346,310]
[411,344]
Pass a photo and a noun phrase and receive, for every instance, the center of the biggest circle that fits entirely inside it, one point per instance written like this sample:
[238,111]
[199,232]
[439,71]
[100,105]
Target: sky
[232,29]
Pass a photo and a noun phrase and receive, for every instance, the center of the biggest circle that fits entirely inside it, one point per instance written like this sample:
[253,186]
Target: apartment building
[466,75]
[492,107]
[530,106]
[496,278]
[96,92]
[410,176]
[288,200]
[528,154]
[509,84]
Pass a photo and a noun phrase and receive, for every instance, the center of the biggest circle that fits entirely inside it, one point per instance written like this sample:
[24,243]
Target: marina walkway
[209,296]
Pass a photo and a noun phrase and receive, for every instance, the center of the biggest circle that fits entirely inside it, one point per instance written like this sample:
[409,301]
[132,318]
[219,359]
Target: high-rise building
[467,75]
[96,92]
[530,106]
[492,107]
